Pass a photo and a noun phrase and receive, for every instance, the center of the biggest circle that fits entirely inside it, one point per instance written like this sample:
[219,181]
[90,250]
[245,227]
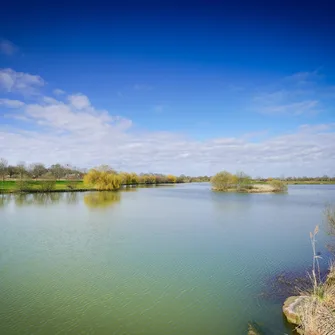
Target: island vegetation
[225,181]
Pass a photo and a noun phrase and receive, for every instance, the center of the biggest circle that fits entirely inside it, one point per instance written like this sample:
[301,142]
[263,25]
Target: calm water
[154,261]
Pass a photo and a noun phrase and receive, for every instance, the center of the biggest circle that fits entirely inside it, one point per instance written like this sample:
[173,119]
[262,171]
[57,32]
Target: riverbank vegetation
[313,311]
[225,181]
[39,178]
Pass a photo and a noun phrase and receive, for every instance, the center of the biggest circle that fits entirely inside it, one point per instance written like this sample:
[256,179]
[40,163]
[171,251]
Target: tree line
[39,171]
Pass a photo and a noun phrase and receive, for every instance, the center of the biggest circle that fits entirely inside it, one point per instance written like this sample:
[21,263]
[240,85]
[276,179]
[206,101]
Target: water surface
[162,260]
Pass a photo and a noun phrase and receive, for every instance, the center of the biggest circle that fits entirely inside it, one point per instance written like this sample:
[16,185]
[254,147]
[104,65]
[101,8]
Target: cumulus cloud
[8,48]
[75,131]
[79,101]
[19,82]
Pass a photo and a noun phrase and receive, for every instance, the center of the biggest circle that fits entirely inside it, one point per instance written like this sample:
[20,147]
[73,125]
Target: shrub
[47,185]
[24,185]
[278,185]
[243,181]
[222,181]
[103,180]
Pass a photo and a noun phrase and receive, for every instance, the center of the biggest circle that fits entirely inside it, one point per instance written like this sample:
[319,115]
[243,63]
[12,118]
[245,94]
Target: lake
[163,260]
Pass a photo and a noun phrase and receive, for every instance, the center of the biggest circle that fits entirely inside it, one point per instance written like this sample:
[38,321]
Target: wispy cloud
[300,94]
[11,103]
[20,82]
[58,91]
[8,48]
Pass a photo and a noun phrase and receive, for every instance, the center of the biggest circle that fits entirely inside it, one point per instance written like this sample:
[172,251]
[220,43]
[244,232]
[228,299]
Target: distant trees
[57,170]
[21,169]
[37,170]
[3,168]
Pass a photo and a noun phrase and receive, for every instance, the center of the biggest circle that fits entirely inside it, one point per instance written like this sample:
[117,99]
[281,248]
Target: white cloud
[11,103]
[296,108]
[301,94]
[79,101]
[58,91]
[74,131]
[8,48]
[20,82]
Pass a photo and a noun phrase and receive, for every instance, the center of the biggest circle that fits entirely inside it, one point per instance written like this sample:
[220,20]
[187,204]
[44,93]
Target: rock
[293,308]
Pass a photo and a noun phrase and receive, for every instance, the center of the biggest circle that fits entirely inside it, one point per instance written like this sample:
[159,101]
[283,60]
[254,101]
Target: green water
[176,260]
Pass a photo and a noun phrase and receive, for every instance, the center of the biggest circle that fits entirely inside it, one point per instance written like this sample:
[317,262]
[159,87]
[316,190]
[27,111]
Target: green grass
[61,185]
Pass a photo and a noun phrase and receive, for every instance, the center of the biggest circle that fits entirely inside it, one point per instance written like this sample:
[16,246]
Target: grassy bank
[11,186]
[36,186]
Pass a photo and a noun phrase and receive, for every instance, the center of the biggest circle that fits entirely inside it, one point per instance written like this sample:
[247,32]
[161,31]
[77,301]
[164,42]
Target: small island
[225,181]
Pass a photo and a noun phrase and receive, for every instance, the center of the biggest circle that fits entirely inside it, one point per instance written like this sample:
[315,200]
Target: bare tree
[3,168]
[21,169]
[57,170]
[38,170]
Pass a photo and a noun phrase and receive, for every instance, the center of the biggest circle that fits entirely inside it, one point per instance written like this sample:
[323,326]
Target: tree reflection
[71,198]
[101,199]
[4,199]
[40,199]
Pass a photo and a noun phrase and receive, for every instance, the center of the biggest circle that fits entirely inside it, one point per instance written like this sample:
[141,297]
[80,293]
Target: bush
[103,180]
[222,181]
[47,185]
[278,185]
[24,185]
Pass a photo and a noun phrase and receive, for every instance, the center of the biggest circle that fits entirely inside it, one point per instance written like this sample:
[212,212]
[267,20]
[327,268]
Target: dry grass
[317,314]
[330,217]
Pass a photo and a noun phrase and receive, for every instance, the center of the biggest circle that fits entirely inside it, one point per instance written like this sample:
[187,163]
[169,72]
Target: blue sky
[181,87]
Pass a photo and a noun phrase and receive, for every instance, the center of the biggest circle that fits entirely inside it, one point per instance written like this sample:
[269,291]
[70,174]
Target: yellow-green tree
[222,180]
[171,178]
[103,180]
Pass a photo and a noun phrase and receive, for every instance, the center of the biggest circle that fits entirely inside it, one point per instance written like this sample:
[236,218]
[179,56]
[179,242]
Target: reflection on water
[91,199]
[71,198]
[129,189]
[4,200]
[40,199]
[101,199]
[167,260]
